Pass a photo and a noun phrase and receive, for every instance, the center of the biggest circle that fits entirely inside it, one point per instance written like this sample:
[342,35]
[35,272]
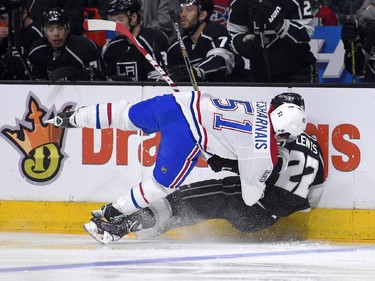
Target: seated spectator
[13,54]
[221,11]
[358,37]
[4,29]
[344,8]
[324,15]
[61,56]
[207,45]
[155,14]
[366,12]
[122,59]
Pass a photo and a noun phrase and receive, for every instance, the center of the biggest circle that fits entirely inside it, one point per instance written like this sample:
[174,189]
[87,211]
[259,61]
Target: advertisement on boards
[42,162]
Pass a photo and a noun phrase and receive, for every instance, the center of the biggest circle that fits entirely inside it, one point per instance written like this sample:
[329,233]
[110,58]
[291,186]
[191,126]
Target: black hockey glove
[247,45]
[218,164]
[266,12]
[66,119]
[369,36]
[180,73]
[11,68]
[350,33]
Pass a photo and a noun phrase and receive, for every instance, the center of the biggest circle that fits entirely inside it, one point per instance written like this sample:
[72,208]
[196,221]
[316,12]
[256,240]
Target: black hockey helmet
[55,16]
[288,97]
[124,6]
[3,9]
[203,5]
[7,6]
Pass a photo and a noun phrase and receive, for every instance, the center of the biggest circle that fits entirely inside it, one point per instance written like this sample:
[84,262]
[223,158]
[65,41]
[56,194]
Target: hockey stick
[97,25]
[172,11]
[193,80]
[261,33]
[189,68]
[352,47]
[16,15]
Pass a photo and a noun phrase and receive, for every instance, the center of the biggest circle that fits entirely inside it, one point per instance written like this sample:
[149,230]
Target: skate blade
[92,230]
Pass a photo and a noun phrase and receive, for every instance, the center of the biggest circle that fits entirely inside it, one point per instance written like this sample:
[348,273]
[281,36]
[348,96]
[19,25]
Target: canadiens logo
[39,144]
[220,14]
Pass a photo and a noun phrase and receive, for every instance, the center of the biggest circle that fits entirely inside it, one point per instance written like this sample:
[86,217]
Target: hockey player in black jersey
[122,59]
[207,44]
[275,36]
[358,37]
[298,188]
[15,48]
[61,56]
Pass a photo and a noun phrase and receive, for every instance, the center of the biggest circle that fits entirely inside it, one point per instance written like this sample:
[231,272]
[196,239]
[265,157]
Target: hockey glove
[350,33]
[247,45]
[266,12]
[180,74]
[218,164]
[65,119]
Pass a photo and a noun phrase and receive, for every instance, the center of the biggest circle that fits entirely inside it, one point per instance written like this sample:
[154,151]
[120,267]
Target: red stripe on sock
[142,193]
[109,113]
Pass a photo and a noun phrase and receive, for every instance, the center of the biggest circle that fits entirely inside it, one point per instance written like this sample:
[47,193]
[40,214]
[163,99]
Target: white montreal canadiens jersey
[233,129]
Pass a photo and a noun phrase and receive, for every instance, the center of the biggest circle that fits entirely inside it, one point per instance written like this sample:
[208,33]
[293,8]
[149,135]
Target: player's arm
[238,19]
[298,26]
[219,61]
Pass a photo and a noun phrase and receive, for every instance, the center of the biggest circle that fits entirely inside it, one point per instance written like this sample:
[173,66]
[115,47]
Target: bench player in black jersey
[298,188]
[14,49]
[285,28]
[61,56]
[122,59]
[358,37]
[207,44]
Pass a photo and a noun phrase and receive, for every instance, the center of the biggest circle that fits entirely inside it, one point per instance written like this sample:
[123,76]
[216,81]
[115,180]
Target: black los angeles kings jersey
[123,59]
[211,53]
[288,50]
[300,186]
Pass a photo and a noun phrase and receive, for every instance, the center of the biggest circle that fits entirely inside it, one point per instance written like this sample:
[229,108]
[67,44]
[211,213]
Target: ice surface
[28,256]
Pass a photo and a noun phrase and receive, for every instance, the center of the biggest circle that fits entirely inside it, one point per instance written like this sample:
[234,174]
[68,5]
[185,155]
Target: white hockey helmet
[289,121]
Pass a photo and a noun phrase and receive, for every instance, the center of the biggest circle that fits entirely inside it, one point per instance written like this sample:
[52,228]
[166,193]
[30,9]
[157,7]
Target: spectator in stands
[15,48]
[4,32]
[156,14]
[72,8]
[358,37]
[61,56]
[324,15]
[206,42]
[221,11]
[344,8]
[123,60]
[274,35]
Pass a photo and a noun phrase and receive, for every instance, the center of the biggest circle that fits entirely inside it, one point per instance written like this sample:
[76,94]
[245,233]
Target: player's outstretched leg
[114,229]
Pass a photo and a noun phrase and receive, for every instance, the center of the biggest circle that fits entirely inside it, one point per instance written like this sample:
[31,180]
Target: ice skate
[105,232]
[108,212]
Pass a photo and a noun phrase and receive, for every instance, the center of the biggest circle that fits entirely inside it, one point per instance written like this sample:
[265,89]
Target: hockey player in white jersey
[194,123]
